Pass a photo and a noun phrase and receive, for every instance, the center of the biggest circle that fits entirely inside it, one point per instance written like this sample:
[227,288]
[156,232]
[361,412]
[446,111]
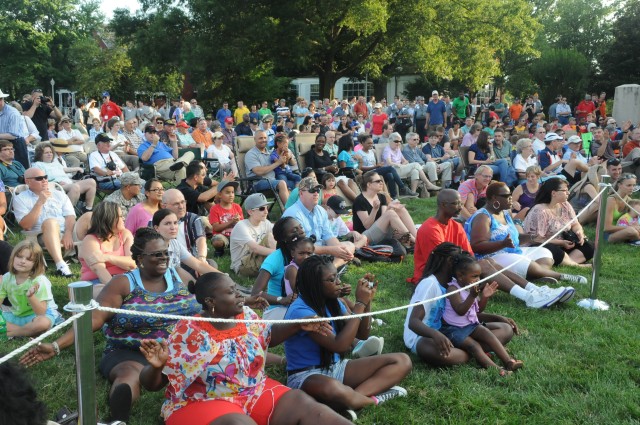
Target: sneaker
[178,165]
[635,243]
[569,292]
[574,278]
[547,280]
[64,271]
[349,414]
[543,297]
[405,192]
[342,270]
[392,392]
[372,346]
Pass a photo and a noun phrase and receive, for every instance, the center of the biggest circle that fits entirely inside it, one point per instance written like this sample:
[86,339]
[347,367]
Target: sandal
[514,364]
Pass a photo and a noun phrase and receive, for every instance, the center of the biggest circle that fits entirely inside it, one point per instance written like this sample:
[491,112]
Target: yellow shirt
[238,113]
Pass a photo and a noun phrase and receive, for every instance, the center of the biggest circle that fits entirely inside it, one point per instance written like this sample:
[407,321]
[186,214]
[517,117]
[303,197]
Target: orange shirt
[203,137]
[515,111]
[629,146]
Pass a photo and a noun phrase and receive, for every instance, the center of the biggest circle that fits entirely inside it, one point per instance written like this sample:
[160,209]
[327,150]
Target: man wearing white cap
[436,112]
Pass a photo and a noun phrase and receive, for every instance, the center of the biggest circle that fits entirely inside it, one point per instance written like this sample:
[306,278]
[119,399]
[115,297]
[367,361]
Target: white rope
[37,340]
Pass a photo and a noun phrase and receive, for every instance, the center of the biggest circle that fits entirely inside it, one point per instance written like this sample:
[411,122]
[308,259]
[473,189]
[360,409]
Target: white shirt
[521,165]
[428,288]
[223,154]
[243,233]
[97,159]
[537,145]
[58,206]
[68,135]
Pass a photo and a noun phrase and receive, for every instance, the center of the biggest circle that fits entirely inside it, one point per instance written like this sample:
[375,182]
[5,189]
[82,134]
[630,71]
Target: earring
[494,205]
[141,266]
[212,309]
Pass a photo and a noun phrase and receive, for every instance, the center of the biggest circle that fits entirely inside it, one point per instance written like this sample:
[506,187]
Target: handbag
[571,236]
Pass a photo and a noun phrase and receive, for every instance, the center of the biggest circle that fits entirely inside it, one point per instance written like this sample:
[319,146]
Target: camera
[111,166]
[44,99]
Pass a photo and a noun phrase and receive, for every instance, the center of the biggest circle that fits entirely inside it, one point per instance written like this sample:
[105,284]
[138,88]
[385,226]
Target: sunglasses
[613,161]
[262,208]
[158,254]
[39,178]
[377,181]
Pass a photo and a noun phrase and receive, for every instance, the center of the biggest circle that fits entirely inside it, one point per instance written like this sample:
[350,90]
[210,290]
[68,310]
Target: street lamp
[53,83]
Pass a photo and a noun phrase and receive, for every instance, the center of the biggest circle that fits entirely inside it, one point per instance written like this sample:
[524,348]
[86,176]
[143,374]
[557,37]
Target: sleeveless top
[616,214]
[85,271]
[498,232]
[452,318]
[287,285]
[125,331]
[527,199]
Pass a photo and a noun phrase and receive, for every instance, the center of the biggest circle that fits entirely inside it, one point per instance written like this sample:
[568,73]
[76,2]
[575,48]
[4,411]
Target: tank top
[527,199]
[87,274]
[125,331]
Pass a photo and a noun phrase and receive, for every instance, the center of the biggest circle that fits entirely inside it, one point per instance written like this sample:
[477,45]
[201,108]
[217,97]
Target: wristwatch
[278,300]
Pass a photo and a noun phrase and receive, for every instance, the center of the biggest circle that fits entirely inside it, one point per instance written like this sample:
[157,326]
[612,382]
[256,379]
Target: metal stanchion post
[592,303]
[81,294]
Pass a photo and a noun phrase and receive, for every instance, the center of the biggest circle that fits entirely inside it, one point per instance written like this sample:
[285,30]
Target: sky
[109,6]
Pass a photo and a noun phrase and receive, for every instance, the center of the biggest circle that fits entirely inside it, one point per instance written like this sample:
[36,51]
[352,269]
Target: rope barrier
[359,315]
[39,339]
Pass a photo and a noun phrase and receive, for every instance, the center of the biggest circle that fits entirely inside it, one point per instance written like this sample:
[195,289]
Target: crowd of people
[145,244]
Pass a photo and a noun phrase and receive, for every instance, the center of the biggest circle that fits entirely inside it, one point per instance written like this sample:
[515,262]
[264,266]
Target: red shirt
[431,234]
[629,146]
[361,108]
[378,122]
[585,107]
[109,110]
[217,214]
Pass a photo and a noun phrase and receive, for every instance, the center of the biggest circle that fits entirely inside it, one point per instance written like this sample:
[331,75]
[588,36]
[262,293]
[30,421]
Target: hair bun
[191,286]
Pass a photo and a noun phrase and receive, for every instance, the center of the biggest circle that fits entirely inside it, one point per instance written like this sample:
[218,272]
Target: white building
[345,88]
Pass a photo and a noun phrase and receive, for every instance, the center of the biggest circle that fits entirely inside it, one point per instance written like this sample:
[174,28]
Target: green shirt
[265,111]
[460,106]
[17,294]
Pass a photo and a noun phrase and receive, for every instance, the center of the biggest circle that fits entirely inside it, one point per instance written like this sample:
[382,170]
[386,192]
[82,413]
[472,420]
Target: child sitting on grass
[33,310]
[301,249]
[630,218]
[224,215]
[460,318]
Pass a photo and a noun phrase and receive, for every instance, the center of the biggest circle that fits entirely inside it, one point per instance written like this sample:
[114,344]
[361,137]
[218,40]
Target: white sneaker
[372,346]
[574,278]
[544,297]
[569,292]
[392,392]
[349,414]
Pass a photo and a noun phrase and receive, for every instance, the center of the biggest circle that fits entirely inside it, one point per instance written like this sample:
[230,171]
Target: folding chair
[464,160]
[243,145]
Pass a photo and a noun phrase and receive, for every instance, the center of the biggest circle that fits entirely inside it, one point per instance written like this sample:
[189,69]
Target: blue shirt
[436,111]
[498,232]
[300,349]
[547,157]
[315,222]
[161,152]
[274,264]
[414,155]
[222,114]
[11,122]
[348,159]
[436,151]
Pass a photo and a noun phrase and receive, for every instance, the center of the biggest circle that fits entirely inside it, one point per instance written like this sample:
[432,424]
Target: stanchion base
[590,304]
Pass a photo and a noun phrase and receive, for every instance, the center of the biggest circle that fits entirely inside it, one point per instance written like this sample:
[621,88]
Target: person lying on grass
[460,321]
[314,361]
[422,327]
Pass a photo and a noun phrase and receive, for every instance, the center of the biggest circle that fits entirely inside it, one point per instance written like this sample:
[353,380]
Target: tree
[619,63]
[561,71]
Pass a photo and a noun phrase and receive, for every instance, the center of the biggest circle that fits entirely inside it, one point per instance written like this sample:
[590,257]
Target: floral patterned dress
[208,364]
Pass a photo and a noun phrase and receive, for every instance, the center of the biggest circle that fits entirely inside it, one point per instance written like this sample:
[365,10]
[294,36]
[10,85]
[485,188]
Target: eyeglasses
[8,149]
[262,208]
[157,254]
[487,176]
[159,189]
[39,178]
[377,181]
[397,141]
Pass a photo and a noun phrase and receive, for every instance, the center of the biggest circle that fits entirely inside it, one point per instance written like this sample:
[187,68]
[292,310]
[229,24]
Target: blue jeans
[506,171]
[110,184]
[265,184]
[391,178]
[290,177]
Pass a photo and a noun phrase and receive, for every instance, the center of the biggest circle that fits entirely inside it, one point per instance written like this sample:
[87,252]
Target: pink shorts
[205,412]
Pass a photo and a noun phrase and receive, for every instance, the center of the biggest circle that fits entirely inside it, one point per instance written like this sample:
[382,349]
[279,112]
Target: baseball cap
[150,129]
[267,118]
[170,122]
[338,205]
[3,94]
[225,183]
[217,135]
[574,139]
[377,106]
[131,178]
[255,200]
[550,137]
[434,92]
[590,126]
[309,183]
[65,119]
[228,120]
[183,124]
[105,94]
[102,138]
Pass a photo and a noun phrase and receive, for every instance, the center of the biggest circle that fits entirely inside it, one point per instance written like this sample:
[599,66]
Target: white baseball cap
[3,94]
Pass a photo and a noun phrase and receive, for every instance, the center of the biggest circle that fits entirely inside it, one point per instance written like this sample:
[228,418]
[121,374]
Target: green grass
[581,367]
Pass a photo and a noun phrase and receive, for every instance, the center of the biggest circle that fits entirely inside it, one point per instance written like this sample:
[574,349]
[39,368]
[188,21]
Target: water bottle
[3,328]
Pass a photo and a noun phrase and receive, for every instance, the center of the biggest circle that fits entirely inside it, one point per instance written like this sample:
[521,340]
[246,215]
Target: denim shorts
[54,317]
[335,371]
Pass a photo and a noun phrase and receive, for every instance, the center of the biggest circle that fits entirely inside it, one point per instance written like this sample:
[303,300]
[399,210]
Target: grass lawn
[581,367]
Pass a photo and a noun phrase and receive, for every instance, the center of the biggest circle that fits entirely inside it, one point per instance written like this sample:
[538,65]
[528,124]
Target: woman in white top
[56,170]
[222,153]
[118,143]
[166,223]
[525,158]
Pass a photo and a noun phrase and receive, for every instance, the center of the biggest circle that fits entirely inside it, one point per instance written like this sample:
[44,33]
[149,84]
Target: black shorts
[115,357]
[571,179]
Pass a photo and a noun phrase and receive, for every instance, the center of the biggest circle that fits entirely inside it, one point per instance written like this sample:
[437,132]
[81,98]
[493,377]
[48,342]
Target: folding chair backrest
[302,149]
[19,189]
[244,143]
[379,149]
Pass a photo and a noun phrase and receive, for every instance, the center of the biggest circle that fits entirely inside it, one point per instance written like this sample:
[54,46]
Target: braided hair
[462,262]
[310,287]
[203,287]
[143,236]
[439,256]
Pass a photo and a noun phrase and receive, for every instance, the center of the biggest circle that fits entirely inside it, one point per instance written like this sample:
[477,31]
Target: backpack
[388,251]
